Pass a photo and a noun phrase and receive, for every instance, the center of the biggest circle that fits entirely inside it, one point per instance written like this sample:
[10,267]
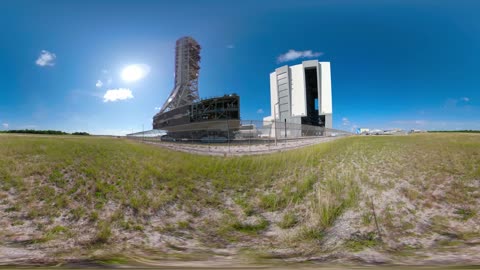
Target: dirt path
[243,149]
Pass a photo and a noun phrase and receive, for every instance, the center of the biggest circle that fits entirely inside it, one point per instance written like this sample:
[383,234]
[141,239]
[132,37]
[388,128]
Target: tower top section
[187,67]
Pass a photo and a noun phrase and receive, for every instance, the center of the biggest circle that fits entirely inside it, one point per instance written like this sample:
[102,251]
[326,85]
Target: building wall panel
[273,93]
[299,102]
[325,106]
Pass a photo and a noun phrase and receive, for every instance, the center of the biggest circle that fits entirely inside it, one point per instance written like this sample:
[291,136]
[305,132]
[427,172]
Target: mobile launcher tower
[184,115]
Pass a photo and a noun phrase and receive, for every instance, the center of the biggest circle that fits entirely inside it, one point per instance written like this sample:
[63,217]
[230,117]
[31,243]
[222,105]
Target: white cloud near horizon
[113,95]
[46,58]
[99,84]
[455,104]
[411,122]
[426,124]
[158,108]
[260,111]
[345,121]
[293,55]
[5,125]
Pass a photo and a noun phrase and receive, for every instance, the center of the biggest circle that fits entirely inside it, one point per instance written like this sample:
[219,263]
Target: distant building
[301,94]
[362,130]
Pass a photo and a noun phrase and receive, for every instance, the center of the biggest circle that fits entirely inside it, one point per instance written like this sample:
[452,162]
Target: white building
[301,94]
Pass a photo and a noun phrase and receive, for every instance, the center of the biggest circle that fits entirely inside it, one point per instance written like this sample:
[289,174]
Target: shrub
[103,233]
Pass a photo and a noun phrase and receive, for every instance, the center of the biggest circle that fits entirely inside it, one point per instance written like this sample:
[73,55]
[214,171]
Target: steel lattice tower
[187,59]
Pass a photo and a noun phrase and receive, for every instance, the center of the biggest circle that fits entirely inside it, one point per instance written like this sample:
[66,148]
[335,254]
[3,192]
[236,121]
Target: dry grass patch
[109,191]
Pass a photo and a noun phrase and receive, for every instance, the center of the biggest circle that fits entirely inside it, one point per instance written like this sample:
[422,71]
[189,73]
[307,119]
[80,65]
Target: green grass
[359,241]
[104,232]
[56,232]
[247,207]
[115,185]
[260,225]
[289,220]
[465,213]
[311,233]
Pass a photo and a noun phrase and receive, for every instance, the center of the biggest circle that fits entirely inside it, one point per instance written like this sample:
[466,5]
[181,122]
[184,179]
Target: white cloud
[455,103]
[420,122]
[411,122]
[436,124]
[230,46]
[117,94]
[46,58]
[293,55]
[28,127]
[5,125]
[104,71]
[345,121]
[99,84]
[158,108]
[260,111]
[109,81]
[110,132]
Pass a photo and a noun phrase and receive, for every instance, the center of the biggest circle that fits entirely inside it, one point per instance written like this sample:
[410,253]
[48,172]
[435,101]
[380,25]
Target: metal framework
[226,125]
[185,91]
[205,114]
[226,107]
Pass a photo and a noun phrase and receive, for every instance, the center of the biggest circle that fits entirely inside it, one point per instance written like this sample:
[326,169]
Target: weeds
[289,220]
[14,208]
[465,213]
[93,216]
[183,225]
[359,241]
[272,202]
[367,219]
[256,227]
[56,178]
[311,233]
[333,197]
[103,233]
[55,232]
[246,206]
[77,213]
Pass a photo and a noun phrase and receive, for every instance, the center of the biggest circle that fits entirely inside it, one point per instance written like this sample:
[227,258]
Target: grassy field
[395,198]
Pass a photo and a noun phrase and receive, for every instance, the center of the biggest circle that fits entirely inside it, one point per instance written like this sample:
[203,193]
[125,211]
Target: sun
[134,72]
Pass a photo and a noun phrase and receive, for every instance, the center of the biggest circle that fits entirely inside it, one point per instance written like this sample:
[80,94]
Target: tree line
[461,131]
[45,132]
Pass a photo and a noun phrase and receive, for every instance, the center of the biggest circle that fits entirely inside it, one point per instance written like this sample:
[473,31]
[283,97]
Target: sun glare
[135,72]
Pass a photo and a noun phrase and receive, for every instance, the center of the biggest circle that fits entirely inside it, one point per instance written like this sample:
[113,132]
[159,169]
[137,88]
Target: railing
[234,136]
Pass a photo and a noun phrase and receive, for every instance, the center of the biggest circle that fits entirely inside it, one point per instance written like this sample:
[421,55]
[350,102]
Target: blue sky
[395,64]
